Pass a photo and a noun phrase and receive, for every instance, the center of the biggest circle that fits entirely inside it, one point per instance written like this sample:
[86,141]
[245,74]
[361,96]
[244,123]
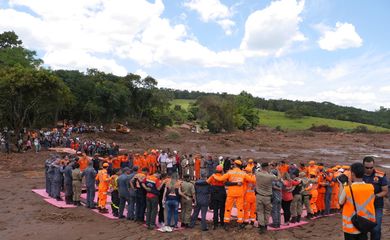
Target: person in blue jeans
[172,198]
[379,181]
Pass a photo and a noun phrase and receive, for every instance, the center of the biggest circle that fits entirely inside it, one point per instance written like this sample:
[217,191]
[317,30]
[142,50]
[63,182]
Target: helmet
[219,168]
[105,165]
[238,162]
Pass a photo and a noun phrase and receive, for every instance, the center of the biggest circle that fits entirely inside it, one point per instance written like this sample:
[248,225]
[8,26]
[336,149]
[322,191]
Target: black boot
[298,218]
[261,229]
[226,227]
[78,203]
[293,220]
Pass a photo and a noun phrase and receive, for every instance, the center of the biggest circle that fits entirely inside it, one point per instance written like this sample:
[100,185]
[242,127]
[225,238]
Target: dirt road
[24,215]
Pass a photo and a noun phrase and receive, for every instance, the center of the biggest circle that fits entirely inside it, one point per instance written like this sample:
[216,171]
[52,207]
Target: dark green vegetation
[33,97]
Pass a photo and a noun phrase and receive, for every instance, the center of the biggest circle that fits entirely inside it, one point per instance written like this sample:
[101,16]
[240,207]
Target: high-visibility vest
[364,200]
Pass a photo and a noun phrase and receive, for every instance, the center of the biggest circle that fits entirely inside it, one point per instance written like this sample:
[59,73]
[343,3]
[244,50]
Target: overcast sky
[320,50]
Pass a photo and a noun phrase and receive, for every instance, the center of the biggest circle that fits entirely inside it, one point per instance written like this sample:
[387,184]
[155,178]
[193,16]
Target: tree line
[34,97]
[296,109]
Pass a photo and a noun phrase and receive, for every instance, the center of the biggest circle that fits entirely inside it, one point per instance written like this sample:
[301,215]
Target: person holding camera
[379,181]
[358,199]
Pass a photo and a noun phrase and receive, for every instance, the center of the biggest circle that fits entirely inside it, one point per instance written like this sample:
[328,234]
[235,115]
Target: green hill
[273,119]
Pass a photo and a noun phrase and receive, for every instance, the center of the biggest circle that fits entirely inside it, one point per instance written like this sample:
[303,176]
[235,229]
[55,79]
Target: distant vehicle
[121,128]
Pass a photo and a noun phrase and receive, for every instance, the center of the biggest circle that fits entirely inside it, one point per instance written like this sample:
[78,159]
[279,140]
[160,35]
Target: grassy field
[184,103]
[273,119]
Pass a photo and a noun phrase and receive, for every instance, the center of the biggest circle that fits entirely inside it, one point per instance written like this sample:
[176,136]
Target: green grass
[184,103]
[273,119]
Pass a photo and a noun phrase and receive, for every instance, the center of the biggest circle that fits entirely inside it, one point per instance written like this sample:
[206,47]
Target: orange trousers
[334,204]
[313,201]
[321,202]
[230,200]
[102,194]
[250,207]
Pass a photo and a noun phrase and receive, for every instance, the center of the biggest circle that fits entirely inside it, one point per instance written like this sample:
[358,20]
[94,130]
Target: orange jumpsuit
[283,168]
[250,200]
[103,186]
[314,197]
[197,168]
[116,163]
[83,161]
[235,194]
[335,193]
[312,170]
[151,161]
[321,192]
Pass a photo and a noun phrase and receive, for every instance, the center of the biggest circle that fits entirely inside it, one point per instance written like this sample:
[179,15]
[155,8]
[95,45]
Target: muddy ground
[24,215]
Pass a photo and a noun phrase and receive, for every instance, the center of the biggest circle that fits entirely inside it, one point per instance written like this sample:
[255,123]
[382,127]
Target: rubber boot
[293,220]
[298,218]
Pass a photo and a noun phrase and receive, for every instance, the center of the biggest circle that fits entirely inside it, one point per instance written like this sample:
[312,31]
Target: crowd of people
[43,139]
[155,183]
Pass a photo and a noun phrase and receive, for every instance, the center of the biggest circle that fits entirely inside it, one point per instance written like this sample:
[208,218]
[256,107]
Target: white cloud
[130,30]
[274,29]
[141,73]
[385,89]
[213,10]
[343,36]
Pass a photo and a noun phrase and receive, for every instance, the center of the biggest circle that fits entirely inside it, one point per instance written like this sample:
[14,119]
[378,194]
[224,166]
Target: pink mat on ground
[43,193]
[52,201]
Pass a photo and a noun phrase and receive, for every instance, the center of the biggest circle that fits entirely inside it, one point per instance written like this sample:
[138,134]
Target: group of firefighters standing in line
[156,183]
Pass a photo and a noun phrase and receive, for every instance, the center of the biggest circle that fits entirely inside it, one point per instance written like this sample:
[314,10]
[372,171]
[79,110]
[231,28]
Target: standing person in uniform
[124,192]
[103,185]
[68,183]
[249,198]
[191,163]
[264,181]
[188,190]
[133,196]
[197,166]
[56,168]
[296,204]
[114,192]
[307,185]
[218,198]
[379,180]
[76,184]
[363,196]
[152,186]
[185,165]
[235,193]
[202,192]
[140,194]
[90,178]
[276,198]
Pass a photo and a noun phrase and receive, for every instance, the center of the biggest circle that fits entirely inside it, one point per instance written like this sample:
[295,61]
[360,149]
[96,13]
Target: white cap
[175,152]
[220,158]
[341,170]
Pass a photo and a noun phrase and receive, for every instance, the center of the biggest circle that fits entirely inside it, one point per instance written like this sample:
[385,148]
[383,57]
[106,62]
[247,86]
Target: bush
[323,128]
[361,129]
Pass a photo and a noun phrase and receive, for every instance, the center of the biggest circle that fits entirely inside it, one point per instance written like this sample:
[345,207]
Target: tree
[30,97]
[12,52]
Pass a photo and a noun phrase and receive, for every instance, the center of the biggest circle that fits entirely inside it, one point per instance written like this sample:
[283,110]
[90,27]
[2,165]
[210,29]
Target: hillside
[274,118]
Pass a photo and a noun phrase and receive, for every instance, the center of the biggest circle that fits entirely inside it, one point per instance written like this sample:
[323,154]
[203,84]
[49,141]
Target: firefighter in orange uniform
[250,198]
[235,193]
[103,186]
